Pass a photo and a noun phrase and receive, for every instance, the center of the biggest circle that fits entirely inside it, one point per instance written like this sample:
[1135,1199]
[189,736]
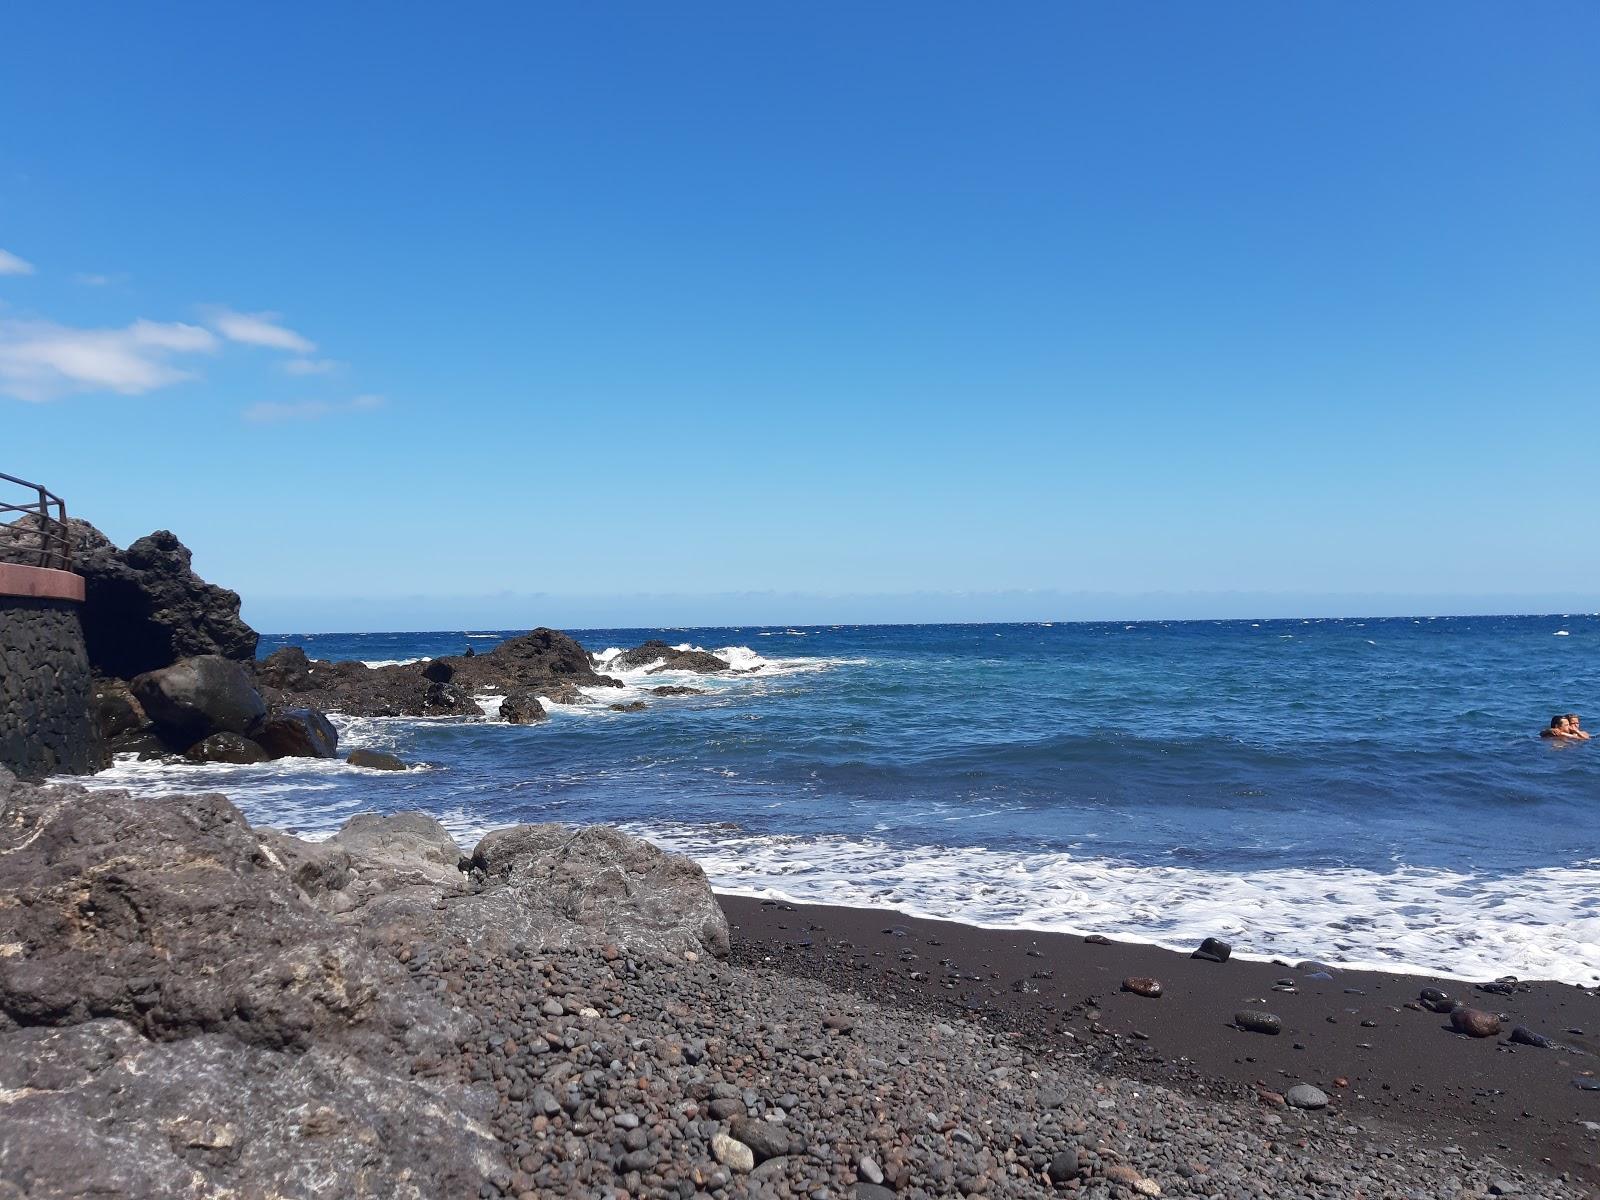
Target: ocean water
[1370,792]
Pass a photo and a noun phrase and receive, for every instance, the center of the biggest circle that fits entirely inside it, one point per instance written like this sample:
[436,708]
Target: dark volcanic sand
[1407,1067]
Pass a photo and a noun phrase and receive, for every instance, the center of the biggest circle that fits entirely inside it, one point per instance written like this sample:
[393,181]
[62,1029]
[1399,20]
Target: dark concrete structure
[45,727]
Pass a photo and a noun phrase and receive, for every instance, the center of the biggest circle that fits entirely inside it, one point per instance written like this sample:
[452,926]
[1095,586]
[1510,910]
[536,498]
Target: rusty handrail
[49,529]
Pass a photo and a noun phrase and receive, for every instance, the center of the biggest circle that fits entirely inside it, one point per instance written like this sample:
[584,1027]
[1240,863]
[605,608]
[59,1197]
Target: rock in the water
[120,720]
[1474,1022]
[1213,950]
[1258,1021]
[1142,985]
[522,707]
[287,669]
[1304,1095]
[198,697]
[226,748]
[731,1153]
[631,706]
[297,733]
[439,670]
[374,760]
[677,689]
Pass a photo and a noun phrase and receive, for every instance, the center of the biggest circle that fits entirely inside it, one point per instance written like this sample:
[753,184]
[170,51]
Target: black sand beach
[1354,1036]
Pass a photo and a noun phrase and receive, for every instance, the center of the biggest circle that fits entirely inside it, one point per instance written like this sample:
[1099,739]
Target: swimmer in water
[1573,731]
[1560,729]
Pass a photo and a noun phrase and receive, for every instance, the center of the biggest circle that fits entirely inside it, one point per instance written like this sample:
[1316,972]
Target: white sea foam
[391,662]
[1462,924]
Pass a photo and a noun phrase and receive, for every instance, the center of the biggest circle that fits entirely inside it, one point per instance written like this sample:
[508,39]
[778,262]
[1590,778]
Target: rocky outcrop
[375,760]
[145,608]
[226,748]
[544,662]
[658,656]
[177,1021]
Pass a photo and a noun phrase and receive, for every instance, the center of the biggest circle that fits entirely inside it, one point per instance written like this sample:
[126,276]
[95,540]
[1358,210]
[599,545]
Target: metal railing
[40,537]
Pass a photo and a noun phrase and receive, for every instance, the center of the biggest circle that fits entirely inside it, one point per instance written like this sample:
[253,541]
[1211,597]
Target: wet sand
[1351,1035]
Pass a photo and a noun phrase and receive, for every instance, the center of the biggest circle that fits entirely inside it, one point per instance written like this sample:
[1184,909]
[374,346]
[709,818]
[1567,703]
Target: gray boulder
[374,760]
[199,696]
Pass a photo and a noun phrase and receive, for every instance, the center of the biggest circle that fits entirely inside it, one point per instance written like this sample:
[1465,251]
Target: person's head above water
[1558,722]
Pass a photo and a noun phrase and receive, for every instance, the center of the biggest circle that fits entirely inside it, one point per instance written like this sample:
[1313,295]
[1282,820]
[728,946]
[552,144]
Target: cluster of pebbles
[616,1077]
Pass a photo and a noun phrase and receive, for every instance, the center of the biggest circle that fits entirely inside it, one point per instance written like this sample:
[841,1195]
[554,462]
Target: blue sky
[510,314]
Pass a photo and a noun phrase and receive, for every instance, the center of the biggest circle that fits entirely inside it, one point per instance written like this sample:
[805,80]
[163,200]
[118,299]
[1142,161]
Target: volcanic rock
[1258,1021]
[659,656]
[1142,985]
[1435,1000]
[1303,1095]
[1213,950]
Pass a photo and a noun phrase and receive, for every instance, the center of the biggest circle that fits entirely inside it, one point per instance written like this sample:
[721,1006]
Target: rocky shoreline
[190,1007]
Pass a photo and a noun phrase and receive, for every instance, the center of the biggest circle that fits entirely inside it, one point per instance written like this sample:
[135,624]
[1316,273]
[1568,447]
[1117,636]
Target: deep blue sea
[1366,791]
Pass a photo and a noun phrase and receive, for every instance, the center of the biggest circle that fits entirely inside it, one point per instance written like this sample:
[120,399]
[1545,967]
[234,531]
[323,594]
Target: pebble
[1258,1021]
[869,1169]
[1524,1036]
[1142,985]
[731,1153]
[1435,1000]
[1213,950]
[1063,1166]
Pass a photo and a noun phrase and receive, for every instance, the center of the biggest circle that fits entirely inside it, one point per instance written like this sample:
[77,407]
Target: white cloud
[270,412]
[89,279]
[10,264]
[258,329]
[40,360]
[311,366]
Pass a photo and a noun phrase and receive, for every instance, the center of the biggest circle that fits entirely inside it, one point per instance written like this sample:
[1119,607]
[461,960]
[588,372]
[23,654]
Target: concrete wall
[45,726]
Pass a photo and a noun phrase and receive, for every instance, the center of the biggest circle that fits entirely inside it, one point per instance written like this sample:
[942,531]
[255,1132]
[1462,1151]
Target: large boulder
[145,608]
[198,697]
[177,1021]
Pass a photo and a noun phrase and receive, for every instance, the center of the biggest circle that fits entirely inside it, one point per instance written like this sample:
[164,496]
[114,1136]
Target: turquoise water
[1367,790]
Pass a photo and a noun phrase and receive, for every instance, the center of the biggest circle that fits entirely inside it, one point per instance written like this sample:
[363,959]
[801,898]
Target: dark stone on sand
[1436,1000]
[1142,985]
[439,670]
[522,707]
[198,697]
[226,748]
[1474,1022]
[1097,939]
[1311,965]
[1063,1165]
[375,760]
[297,733]
[1258,1021]
[1213,950]
[1523,1036]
